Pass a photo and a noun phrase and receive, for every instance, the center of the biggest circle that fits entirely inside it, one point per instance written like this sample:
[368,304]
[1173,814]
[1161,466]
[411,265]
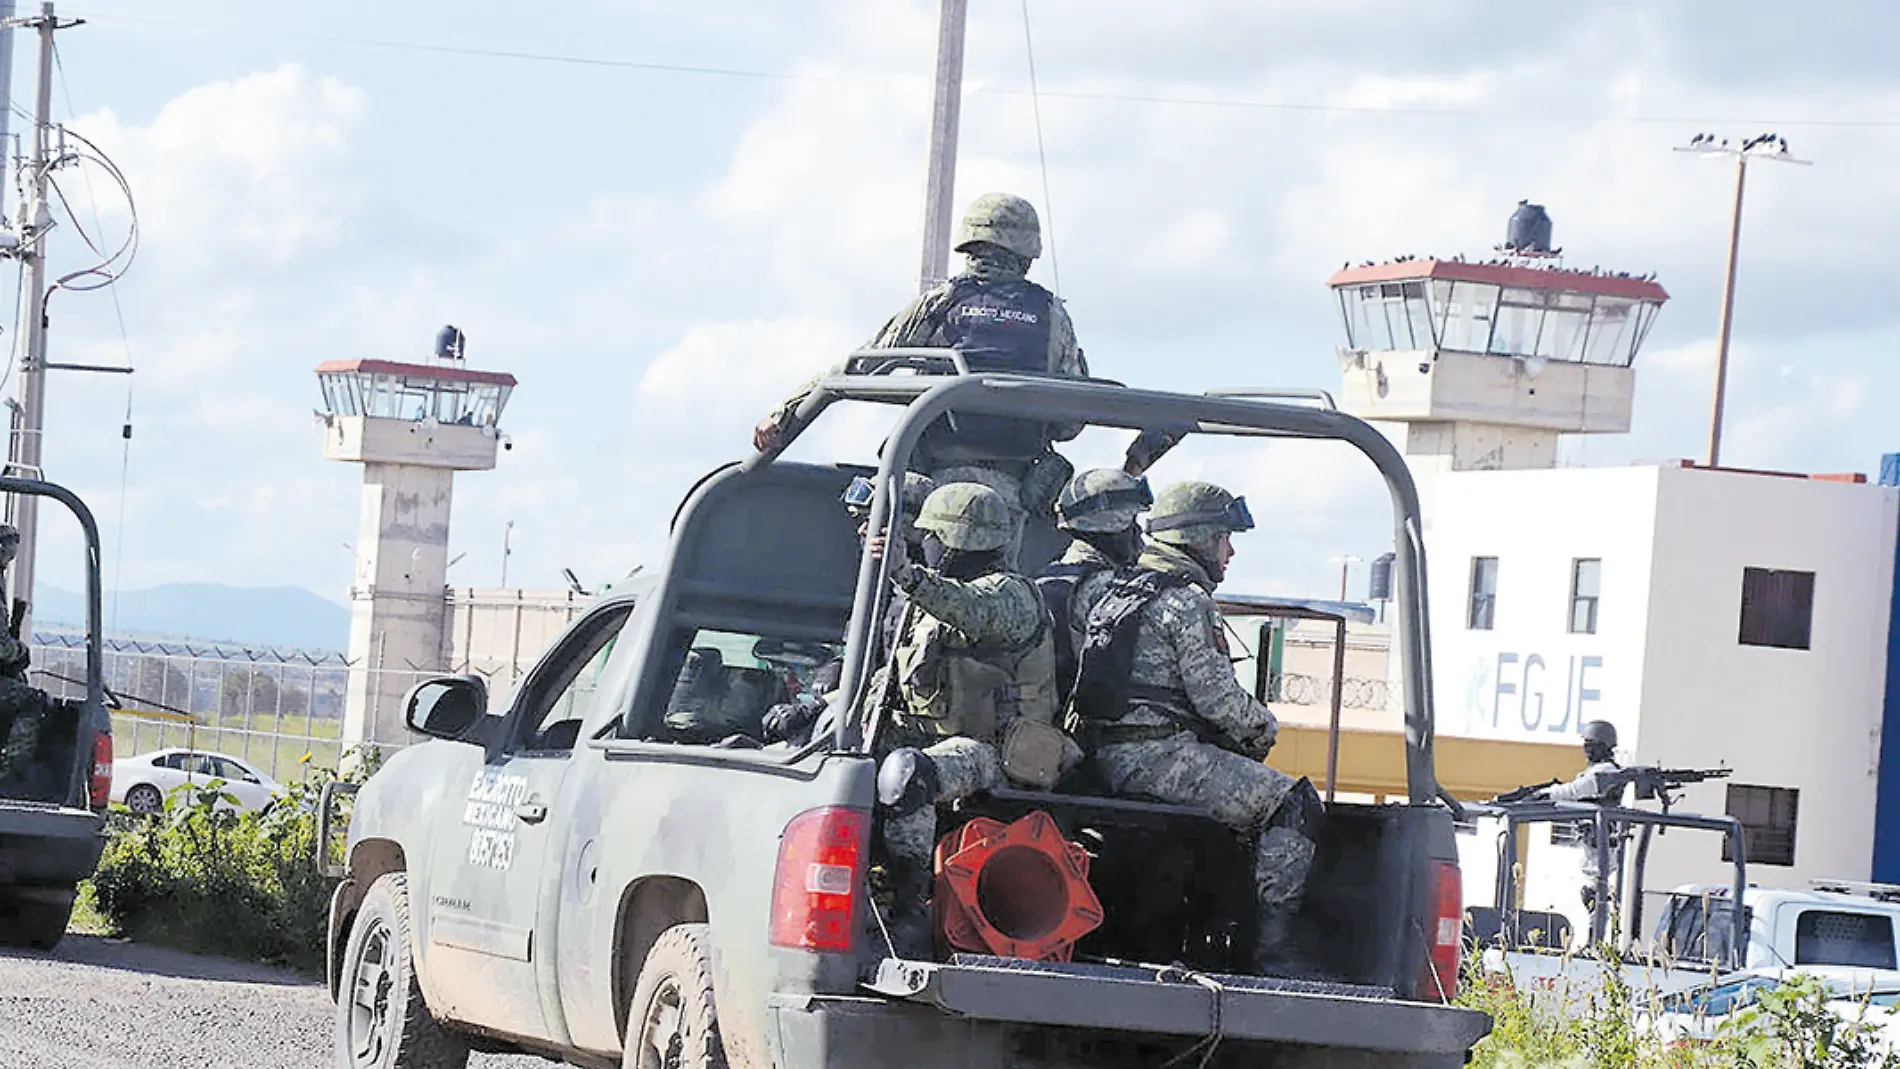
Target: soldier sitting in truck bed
[1164,717]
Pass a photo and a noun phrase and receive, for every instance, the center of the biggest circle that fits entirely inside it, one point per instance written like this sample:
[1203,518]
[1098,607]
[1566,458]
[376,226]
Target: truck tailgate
[43,820]
[1177,1002]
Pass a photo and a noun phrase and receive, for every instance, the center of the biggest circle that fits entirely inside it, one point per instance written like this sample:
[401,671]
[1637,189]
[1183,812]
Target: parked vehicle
[52,802]
[568,875]
[1845,931]
[1700,1014]
[142,783]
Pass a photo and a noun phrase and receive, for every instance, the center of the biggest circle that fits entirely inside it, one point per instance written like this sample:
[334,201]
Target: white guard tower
[412,427]
[1488,363]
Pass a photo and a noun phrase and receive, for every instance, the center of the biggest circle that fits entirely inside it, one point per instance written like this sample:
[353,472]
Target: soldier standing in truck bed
[999,321]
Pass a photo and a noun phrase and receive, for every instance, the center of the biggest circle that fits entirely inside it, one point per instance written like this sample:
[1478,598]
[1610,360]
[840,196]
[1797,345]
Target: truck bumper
[971,1017]
[49,846]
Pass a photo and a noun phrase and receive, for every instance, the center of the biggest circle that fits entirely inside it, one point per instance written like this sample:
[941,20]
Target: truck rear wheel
[671,1023]
[382,1021]
[34,916]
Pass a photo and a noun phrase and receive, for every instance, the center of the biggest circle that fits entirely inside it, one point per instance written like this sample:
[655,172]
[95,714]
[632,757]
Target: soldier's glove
[903,573]
[788,720]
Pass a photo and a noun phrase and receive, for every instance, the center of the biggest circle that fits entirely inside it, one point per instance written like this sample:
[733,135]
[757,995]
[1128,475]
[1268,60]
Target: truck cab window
[561,704]
[1837,937]
[728,680]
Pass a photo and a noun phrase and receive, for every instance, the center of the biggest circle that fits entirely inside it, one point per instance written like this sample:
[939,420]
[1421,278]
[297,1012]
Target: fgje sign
[1516,694]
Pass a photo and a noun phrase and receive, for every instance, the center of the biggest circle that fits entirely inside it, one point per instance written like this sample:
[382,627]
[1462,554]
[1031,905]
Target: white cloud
[686,279]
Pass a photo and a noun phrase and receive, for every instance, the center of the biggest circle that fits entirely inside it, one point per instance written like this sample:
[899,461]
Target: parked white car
[1697,1015]
[143,782]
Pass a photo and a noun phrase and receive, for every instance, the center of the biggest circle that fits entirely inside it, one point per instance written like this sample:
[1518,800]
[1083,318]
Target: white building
[1717,618]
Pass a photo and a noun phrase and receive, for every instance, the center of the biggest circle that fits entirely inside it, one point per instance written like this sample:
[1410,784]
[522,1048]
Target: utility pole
[1345,568]
[945,110]
[34,221]
[1760,147]
[6,93]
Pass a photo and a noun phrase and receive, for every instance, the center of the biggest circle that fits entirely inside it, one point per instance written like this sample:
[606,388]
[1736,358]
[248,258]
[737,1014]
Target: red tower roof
[437,372]
[1513,275]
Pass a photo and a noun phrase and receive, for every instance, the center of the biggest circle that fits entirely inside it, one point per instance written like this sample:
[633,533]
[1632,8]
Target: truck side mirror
[447,708]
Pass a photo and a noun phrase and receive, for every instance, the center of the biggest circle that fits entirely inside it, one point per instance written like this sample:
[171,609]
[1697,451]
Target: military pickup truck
[570,874]
[55,773]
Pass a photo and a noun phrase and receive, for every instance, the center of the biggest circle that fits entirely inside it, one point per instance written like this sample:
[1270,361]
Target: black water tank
[1529,229]
[1380,587]
[449,343]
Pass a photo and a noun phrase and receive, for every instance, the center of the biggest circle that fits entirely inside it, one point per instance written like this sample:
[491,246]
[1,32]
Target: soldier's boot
[1282,864]
[907,787]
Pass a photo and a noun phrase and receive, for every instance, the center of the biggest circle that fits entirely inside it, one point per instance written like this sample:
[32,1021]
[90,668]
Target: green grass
[275,743]
[87,920]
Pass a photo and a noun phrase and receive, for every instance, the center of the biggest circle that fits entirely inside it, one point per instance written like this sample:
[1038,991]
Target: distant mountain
[209,612]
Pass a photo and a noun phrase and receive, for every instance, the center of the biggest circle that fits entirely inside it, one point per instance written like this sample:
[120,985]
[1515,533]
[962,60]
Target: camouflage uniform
[973,652]
[999,609]
[1193,735]
[1000,238]
[20,703]
[1100,508]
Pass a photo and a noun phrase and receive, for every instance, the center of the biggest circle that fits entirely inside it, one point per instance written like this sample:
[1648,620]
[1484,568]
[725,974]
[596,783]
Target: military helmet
[966,516]
[1193,513]
[1004,220]
[1601,733]
[1102,500]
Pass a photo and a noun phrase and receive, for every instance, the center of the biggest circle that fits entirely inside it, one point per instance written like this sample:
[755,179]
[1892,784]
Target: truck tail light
[819,881]
[1444,930]
[100,791]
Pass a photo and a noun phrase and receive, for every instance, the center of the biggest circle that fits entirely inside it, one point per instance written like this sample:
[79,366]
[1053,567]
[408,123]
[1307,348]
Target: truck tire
[35,917]
[382,1021]
[671,1022]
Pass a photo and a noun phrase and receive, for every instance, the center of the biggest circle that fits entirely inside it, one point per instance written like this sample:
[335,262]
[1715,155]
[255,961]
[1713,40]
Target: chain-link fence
[281,710]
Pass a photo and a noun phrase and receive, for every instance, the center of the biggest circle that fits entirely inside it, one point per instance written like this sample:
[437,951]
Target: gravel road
[108,1004]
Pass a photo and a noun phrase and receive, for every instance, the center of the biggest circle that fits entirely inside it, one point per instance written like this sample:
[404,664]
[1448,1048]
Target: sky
[662,216]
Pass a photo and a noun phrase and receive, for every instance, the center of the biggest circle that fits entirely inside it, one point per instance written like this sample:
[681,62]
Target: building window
[1777,608]
[1586,581]
[1484,594]
[1767,815]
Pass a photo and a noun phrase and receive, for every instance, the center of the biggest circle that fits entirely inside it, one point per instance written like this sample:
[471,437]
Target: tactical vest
[1057,585]
[953,687]
[1000,326]
[1104,684]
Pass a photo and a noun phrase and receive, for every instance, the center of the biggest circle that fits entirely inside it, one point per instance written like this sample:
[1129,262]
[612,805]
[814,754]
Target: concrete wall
[1807,719]
[427,443]
[500,633]
[1529,678]
[1484,388]
[396,598]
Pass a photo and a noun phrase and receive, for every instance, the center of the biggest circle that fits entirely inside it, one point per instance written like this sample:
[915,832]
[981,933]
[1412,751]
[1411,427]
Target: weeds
[1796,1025]
[203,876]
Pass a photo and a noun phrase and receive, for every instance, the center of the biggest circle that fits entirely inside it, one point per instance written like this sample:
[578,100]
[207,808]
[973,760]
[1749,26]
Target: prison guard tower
[411,427]
[1487,363]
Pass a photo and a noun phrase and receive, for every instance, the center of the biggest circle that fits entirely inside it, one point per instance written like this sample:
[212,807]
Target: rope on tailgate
[1216,1029]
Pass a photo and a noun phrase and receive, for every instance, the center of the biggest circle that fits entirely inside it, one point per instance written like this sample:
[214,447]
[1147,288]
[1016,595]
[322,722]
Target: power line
[1154,99]
[1042,157]
[128,250]
[489,53]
